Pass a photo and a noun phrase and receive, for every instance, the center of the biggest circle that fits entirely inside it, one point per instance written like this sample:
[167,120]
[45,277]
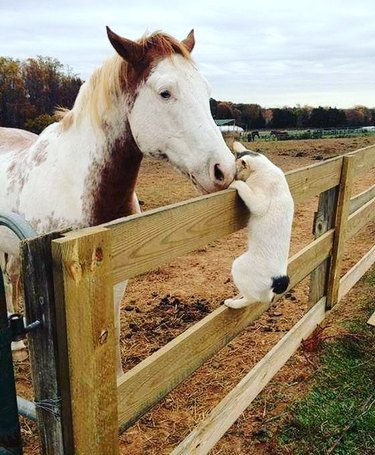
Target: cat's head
[245,160]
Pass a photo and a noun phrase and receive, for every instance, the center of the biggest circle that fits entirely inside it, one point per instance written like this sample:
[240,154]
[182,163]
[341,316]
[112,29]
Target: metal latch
[18,329]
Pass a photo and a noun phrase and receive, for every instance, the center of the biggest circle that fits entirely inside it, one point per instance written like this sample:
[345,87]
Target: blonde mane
[99,94]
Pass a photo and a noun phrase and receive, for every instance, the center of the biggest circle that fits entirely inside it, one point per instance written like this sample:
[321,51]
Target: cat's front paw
[234,185]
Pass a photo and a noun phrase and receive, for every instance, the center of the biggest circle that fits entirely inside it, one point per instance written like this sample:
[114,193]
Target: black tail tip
[280,284]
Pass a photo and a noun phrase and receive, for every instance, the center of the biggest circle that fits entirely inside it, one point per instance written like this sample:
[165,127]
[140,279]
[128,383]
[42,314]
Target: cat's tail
[280,284]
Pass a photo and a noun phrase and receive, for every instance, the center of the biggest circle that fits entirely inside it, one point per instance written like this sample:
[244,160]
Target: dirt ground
[160,305]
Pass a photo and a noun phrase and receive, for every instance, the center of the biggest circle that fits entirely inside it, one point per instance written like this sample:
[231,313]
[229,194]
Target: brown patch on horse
[17,171]
[23,161]
[110,185]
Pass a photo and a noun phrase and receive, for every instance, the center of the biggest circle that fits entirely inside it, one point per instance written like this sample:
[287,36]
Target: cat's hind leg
[242,302]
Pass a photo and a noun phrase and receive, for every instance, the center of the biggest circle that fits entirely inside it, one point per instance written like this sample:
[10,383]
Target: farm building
[228,126]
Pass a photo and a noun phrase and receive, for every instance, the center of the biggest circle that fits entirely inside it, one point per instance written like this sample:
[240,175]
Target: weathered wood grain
[85,320]
[311,180]
[53,414]
[207,433]
[323,221]
[342,213]
[144,242]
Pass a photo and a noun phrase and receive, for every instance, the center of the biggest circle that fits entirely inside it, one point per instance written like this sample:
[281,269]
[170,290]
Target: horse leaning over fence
[148,99]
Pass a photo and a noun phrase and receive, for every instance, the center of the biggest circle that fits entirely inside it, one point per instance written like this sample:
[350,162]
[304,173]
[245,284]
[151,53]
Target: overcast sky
[274,53]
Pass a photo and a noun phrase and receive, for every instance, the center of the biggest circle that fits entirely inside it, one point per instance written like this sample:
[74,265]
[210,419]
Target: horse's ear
[129,50]
[189,41]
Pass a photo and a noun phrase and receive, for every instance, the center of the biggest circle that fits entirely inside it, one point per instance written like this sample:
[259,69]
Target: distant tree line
[31,89]
[253,116]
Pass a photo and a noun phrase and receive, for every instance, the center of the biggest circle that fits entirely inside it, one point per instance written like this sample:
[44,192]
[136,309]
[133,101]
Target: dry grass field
[160,305]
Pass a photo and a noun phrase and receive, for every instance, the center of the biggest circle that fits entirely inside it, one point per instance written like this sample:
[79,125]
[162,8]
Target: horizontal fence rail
[356,272]
[364,159]
[141,243]
[358,219]
[362,198]
[206,434]
[149,381]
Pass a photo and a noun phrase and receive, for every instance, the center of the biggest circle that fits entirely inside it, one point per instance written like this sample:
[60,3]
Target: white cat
[261,272]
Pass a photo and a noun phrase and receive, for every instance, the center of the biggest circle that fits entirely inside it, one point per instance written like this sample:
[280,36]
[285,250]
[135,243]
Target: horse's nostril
[218,173]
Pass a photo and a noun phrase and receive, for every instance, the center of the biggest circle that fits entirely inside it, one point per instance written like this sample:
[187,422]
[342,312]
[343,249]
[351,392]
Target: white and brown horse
[148,99]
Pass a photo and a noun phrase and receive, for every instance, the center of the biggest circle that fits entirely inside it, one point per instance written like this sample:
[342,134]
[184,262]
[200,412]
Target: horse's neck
[114,158]
[110,182]
[103,164]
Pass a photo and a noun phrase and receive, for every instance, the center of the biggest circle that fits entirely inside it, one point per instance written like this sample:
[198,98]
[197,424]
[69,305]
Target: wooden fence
[69,279]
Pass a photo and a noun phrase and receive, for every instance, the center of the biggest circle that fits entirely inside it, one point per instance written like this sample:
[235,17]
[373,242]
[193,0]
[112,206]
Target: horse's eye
[165,94]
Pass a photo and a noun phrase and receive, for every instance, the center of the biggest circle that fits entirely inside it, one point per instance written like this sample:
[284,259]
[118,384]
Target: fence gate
[11,329]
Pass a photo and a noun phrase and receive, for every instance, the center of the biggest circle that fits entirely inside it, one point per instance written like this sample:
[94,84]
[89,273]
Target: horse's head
[169,113]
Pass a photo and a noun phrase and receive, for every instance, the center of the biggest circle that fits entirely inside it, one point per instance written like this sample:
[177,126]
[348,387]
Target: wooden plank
[36,263]
[361,199]
[206,434]
[364,159]
[147,383]
[371,321]
[85,321]
[311,180]
[146,241]
[342,212]
[323,221]
[355,273]
[358,219]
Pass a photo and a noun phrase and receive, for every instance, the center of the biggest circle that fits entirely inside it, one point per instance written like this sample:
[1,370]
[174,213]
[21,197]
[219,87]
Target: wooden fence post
[36,261]
[342,214]
[324,221]
[85,320]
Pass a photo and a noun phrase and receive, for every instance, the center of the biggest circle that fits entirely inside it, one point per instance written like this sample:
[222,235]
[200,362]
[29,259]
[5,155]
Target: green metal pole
[10,431]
